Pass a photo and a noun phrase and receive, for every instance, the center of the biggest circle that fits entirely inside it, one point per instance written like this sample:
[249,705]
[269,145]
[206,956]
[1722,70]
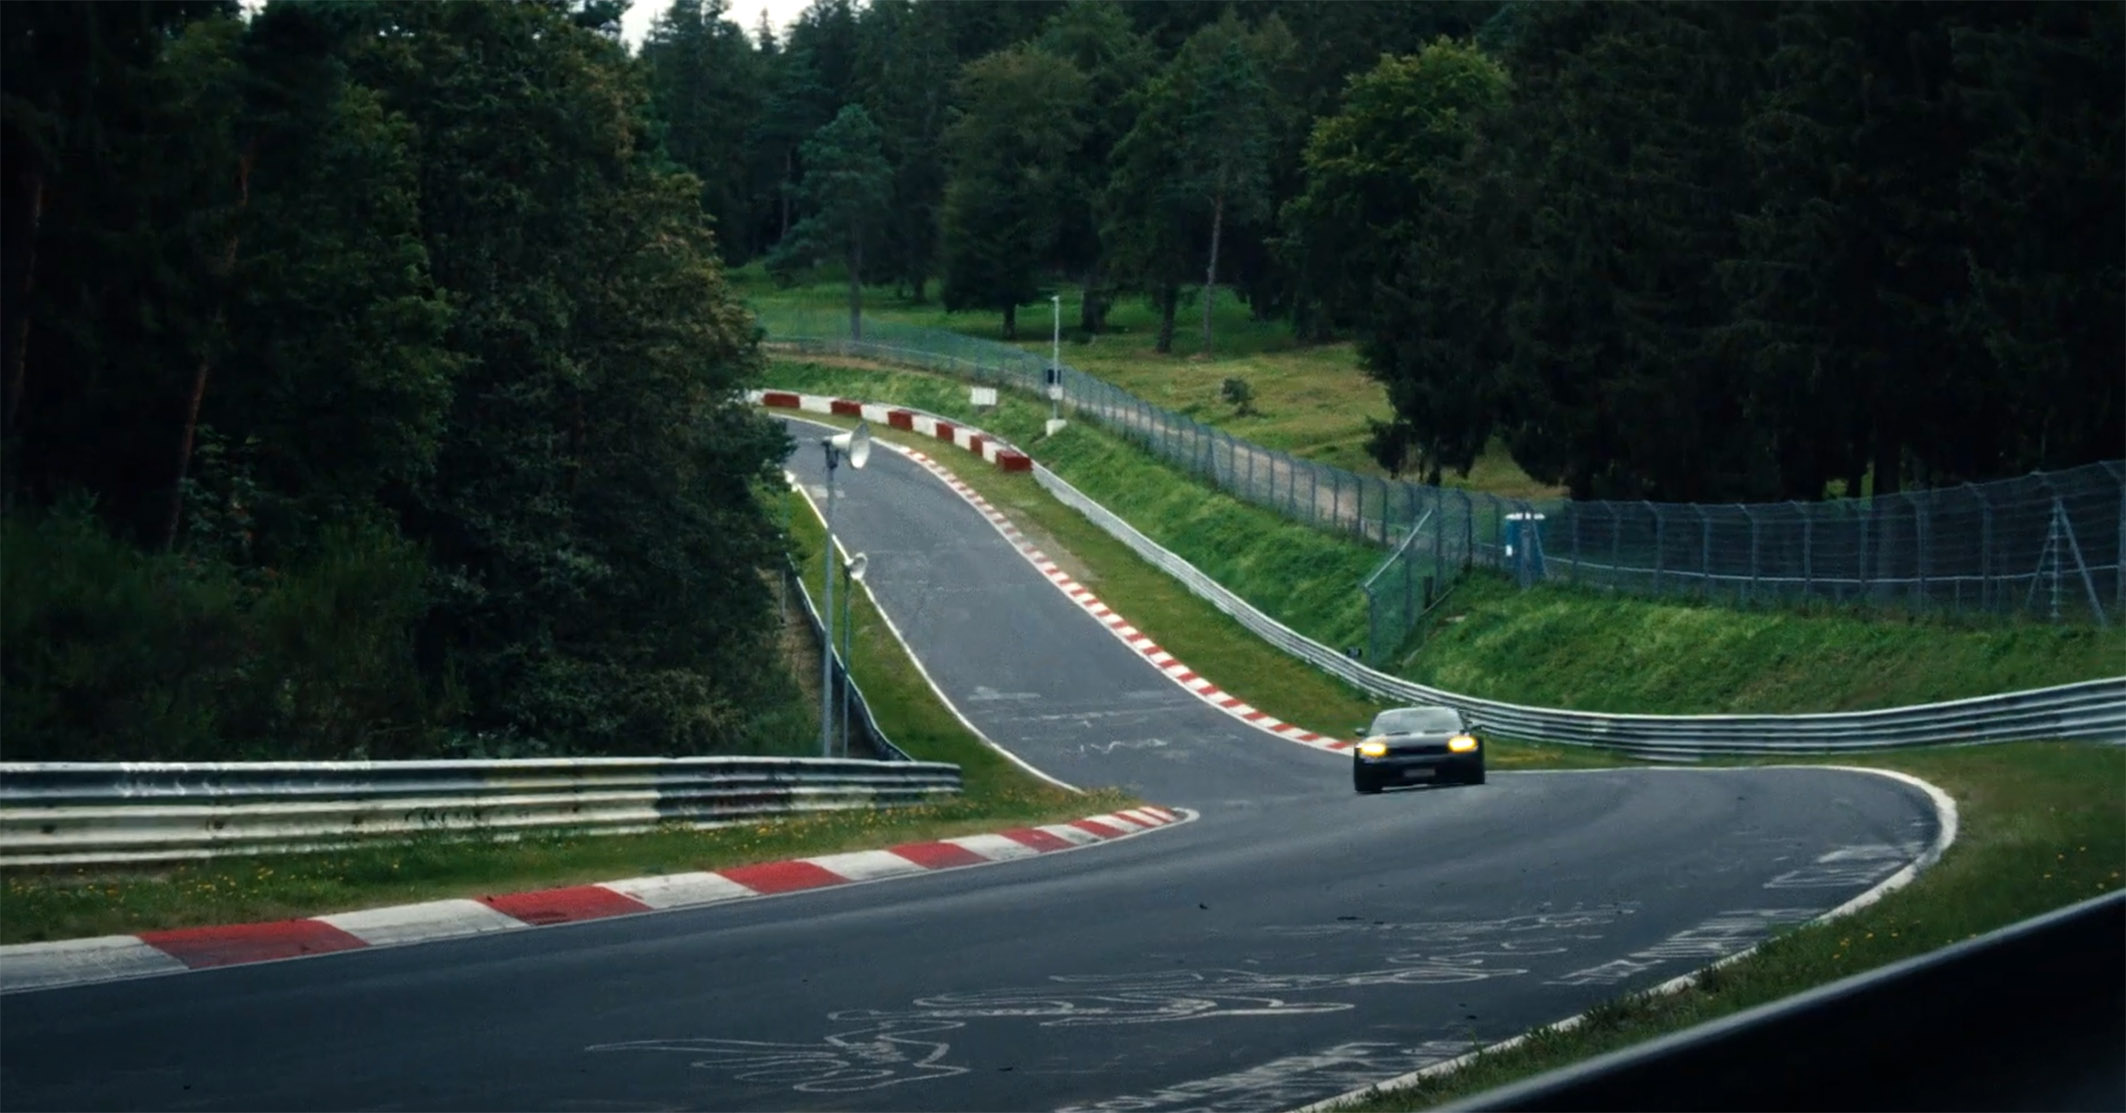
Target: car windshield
[1418,720]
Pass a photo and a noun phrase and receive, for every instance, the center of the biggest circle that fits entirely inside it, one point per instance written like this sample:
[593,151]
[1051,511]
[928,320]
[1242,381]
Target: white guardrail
[55,813]
[2093,710]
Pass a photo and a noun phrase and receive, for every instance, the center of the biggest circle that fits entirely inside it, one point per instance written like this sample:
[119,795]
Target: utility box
[1524,546]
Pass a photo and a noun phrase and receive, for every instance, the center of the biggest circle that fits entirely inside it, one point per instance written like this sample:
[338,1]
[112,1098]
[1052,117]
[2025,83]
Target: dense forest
[1704,252]
[369,368]
[370,392]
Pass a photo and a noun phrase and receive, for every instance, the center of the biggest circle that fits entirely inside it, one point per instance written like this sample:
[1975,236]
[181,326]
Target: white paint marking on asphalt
[413,923]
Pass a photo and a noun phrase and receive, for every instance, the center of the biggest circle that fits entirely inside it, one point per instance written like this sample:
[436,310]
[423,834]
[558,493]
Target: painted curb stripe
[30,966]
[566,905]
[866,865]
[781,877]
[70,961]
[994,847]
[201,947]
[679,890]
[938,855]
[1036,838]
[436,919]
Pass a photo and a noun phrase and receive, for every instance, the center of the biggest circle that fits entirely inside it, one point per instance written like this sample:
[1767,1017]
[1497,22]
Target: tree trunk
[1169,297]
[856,289]
[1011,322]
[1210,272]
[175,514]
[22,230]
[1092,314]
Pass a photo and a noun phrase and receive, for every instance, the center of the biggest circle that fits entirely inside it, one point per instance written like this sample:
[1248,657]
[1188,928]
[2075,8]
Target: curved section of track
[1296,942]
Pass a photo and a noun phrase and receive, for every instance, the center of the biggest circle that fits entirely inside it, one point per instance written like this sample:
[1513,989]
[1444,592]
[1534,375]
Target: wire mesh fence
[2046,545]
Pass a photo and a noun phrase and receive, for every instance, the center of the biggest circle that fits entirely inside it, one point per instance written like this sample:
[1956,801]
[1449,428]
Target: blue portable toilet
[1524,546]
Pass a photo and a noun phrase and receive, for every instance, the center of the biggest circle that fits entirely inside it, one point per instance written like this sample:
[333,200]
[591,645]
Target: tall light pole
[852,574]
[857,444]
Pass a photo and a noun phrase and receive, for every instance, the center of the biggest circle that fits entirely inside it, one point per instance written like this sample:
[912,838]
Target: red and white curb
[989,447]
[1078,593]
[27,966]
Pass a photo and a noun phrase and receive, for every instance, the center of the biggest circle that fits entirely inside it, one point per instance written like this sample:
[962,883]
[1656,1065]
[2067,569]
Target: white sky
[746,13]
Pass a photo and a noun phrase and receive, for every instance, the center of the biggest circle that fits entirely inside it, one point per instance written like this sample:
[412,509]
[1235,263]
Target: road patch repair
[1001,453]
[28,966]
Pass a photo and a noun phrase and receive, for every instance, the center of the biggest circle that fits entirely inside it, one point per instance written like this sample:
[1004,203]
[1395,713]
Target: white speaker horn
[855,444]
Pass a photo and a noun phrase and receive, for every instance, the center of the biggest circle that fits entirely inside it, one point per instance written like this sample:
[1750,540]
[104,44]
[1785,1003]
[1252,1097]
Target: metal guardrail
[2094,710]
[124,812]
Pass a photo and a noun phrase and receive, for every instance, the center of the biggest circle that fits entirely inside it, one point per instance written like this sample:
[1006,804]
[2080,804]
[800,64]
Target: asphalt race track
[1295,942]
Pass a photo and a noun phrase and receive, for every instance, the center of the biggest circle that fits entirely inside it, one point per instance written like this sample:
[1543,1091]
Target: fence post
[1705,552]
[1808,554]
[1749,591]
[1468,529]
[1616,542]
[1314,495]
[1408,558]
[1660,543]
[1866,513]
[1575,543]
[2118,555]
[1919,547]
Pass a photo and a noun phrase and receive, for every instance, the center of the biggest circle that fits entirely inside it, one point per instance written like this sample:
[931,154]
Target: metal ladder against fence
[2046,545]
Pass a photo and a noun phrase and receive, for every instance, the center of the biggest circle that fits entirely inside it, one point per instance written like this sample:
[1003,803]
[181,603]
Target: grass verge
[1555,646]
[2040,829]
[68,902]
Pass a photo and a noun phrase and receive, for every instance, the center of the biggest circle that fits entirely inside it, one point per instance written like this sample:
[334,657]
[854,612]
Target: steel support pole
[826,617]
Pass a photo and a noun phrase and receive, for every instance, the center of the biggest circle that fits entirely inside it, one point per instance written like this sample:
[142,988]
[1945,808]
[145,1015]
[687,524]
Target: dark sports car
[1405,742]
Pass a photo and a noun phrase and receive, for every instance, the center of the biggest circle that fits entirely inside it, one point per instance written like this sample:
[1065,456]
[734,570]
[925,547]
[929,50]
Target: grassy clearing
[1556,646]
[1312,400]
[64,903]
[2040,830]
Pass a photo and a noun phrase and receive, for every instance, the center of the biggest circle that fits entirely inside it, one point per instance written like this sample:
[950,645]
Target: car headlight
[1373,747]
[1461,744]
